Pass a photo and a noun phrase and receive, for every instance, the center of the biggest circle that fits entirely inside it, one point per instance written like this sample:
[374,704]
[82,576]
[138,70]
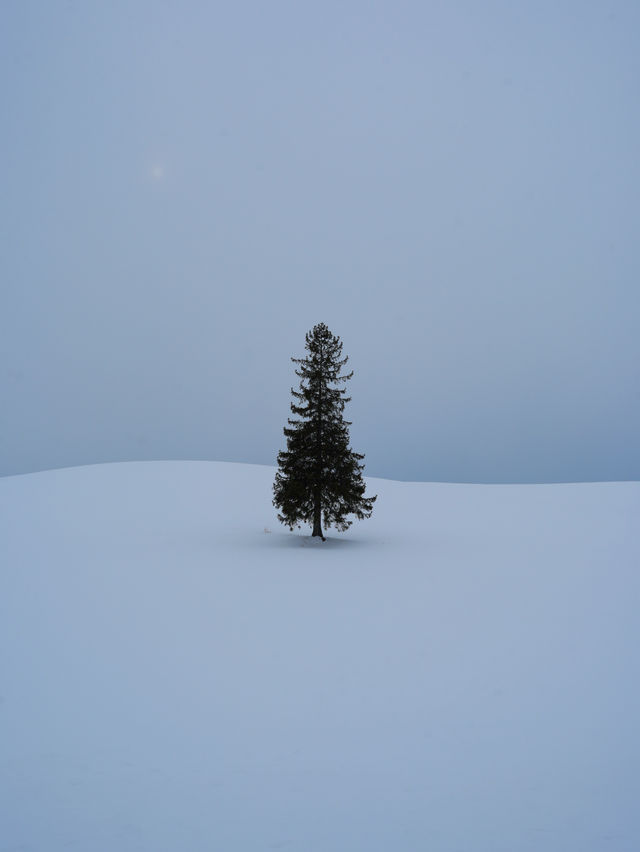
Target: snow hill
[180,673]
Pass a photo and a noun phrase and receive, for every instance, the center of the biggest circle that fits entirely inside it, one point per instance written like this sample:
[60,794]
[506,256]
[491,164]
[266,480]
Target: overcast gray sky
[454,188]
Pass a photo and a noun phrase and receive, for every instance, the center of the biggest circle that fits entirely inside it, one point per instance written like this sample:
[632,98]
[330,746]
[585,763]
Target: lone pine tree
[319,476]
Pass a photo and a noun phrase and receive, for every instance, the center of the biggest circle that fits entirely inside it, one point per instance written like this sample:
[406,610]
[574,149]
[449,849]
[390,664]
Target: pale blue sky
[453,188]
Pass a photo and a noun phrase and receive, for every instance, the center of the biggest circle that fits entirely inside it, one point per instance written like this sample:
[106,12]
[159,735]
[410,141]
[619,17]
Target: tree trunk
[317,517]
[317,496]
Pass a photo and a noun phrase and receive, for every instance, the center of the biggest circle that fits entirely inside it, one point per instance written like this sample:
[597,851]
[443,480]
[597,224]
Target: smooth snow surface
[178,672]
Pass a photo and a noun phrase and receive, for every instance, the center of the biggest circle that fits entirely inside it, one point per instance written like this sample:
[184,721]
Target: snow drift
[178,672]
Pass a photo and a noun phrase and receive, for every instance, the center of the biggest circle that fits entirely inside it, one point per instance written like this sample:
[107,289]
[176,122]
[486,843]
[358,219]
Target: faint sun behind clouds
[156,171]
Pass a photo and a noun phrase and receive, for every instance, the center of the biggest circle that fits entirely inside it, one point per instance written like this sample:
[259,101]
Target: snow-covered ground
[179,672]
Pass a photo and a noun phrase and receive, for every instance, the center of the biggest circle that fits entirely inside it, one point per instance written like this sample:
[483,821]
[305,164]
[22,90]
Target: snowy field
[180,673]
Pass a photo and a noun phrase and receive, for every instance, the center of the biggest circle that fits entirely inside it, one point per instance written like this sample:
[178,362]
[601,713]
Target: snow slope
[458,673]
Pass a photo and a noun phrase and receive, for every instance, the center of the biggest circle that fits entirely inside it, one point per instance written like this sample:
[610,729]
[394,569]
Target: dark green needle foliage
[319,476]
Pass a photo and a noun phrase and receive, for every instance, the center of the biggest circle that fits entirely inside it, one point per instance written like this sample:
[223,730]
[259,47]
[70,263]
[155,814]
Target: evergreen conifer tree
[319,476]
